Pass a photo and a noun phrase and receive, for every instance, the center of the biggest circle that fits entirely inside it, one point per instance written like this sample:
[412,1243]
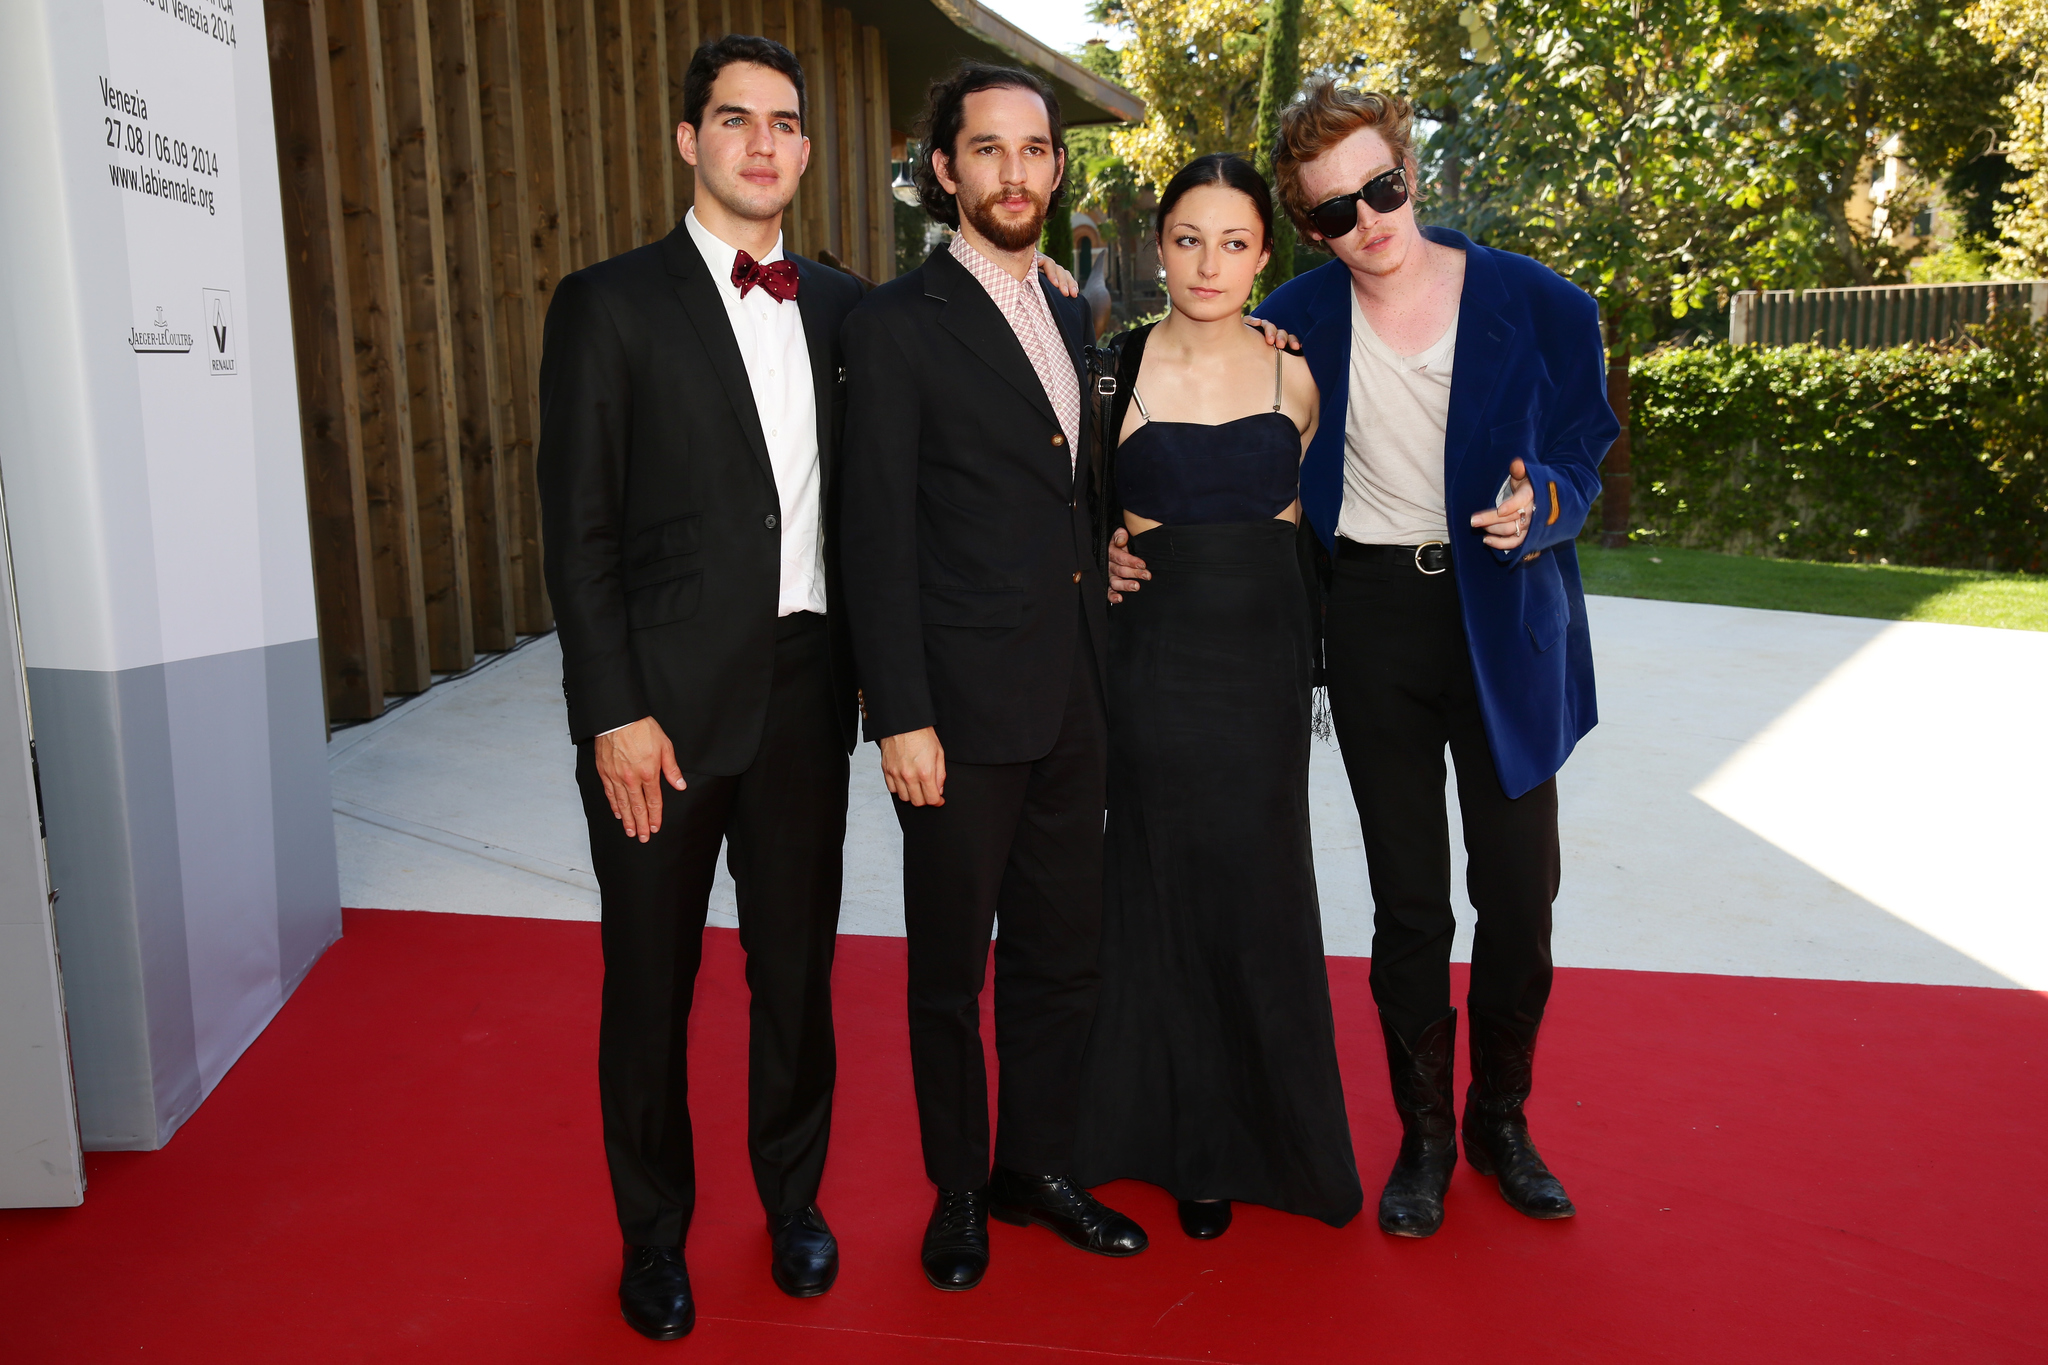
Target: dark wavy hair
[716,55]
[939,127]
[1218,168]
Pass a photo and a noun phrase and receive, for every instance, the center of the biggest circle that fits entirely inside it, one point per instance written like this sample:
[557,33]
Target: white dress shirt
[772,345]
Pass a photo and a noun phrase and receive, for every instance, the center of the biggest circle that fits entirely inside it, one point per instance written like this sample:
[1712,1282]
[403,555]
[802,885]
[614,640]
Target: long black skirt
[1212,1068]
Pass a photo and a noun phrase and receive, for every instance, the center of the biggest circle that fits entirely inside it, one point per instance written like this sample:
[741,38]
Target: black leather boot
[1497,1141]
[955,1254]
[654,1293]
[1412,1204]
[803,1254]
[1056,1202]
[1204,1219]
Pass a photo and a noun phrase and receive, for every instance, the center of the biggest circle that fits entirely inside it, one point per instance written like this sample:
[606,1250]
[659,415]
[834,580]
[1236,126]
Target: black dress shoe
[1412,1205]
[956,1240]
[1204,1218]
[1056,1202]
[805,1261]
[1497,1141]
[654,1293]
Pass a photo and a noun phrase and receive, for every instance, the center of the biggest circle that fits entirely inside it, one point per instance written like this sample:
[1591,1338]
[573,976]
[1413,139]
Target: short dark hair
[1218,168]
[938,128]
[716,55]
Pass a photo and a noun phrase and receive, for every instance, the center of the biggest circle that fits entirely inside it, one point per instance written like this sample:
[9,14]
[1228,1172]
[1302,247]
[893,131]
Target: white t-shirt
[1394,438]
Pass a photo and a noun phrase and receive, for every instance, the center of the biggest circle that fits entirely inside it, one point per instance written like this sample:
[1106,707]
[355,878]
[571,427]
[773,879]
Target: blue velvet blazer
[1529,380]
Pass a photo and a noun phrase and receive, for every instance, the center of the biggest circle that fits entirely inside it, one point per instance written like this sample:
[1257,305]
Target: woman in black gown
[1212,1069]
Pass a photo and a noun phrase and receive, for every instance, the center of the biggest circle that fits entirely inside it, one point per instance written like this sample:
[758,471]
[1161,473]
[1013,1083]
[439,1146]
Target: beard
[1005,231]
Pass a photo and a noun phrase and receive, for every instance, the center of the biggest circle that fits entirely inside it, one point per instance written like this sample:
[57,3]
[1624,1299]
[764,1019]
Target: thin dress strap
[1276,380]
[1141,405]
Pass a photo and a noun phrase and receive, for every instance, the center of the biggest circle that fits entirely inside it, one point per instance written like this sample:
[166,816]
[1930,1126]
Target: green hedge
[1934,455]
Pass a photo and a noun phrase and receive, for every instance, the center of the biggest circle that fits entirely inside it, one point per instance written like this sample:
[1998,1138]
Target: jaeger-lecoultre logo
[158,338]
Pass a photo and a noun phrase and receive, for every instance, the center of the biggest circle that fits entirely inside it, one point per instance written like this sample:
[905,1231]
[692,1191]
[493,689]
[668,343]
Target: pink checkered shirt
[1022,304]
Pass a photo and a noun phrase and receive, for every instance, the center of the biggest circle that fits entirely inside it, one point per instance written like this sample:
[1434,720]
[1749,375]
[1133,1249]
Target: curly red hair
[1324,117]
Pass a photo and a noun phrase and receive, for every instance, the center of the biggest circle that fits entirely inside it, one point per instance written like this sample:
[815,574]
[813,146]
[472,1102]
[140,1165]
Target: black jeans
[1400,677]
[783,822]
[1017,845]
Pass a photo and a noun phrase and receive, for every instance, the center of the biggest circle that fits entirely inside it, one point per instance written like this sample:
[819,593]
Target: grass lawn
[1964,597]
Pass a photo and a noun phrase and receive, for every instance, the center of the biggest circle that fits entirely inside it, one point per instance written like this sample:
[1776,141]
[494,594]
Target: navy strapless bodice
[1191,473]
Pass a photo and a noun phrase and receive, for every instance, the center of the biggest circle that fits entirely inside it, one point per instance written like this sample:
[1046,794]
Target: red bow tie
[777,279]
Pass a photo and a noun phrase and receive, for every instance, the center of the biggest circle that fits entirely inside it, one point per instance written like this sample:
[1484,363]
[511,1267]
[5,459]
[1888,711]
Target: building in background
[444,162]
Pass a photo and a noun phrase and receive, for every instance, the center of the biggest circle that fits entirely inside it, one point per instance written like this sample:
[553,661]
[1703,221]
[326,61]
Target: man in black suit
[979,622]
[690,399]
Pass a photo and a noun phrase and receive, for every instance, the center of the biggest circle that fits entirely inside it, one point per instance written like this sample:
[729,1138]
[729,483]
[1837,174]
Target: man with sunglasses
[1464,420]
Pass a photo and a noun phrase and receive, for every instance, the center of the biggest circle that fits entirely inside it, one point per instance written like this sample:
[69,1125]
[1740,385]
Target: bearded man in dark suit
[979,624]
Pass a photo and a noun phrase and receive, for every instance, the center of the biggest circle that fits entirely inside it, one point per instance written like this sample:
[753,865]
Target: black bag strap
[1112,378]
[1103,388]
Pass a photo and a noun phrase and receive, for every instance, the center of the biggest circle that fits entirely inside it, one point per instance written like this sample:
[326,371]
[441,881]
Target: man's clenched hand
[1507,526]
[631,763]
[914,766]
[1125,568]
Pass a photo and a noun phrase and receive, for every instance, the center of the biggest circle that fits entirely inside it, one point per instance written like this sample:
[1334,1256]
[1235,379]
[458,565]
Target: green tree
[2018,31]
[1609,139]
[1057,241]
[1103,183]
[1198,64]
[1279,80]
[1851,85]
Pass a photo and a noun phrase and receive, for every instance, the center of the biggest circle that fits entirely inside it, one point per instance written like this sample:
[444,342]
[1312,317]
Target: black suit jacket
[658,504]
[965,526]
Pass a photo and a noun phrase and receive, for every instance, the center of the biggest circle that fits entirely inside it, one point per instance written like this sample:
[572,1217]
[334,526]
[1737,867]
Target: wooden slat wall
[444,164]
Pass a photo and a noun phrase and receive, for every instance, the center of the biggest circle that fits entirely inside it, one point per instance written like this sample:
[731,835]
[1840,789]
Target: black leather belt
[1432,558]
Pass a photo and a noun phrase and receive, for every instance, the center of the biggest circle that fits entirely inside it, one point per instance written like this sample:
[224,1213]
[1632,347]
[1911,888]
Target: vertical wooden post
[541,99]
[819,192]
[848,240]
[337,503]
[881,209]
[429,334]
[502,80]
[600,212]
[618,89]
[1617,483]
[683,37]
[480,399]
[584,227]
[655,131]
[377,317]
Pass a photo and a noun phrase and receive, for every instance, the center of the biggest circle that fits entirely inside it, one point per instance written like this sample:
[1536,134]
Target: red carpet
[406,1167]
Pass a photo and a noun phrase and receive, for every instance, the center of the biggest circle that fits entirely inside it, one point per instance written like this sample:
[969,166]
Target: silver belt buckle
[1418,557]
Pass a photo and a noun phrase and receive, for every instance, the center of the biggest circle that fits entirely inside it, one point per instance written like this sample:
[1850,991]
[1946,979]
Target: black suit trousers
[783,821]
[1017,846]
[1401,689]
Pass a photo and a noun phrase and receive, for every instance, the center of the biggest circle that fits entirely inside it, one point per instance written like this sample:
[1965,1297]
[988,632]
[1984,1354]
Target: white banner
[165,112]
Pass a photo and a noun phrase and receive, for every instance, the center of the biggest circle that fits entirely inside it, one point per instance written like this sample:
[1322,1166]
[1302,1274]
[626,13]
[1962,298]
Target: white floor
[1768,794]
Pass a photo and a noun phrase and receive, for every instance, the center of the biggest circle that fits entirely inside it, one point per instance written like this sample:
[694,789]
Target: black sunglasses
[1384,193]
